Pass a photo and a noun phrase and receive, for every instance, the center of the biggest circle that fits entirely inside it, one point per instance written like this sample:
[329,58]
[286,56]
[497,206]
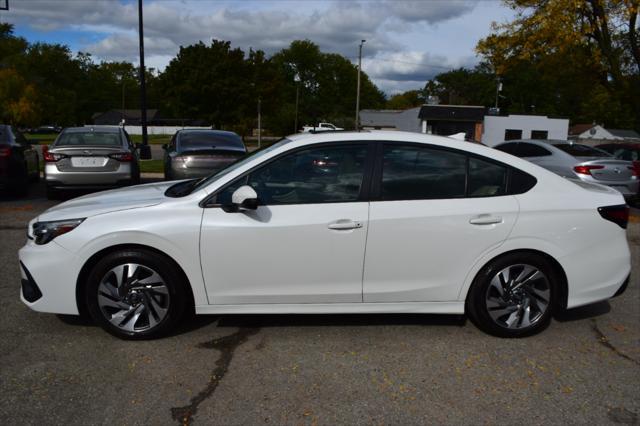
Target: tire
[514,295]
[52,193]
[36,175]
[129,309]
[21,184]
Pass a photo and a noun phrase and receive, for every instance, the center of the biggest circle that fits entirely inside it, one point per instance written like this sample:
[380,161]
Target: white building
[498,128]
[596,131]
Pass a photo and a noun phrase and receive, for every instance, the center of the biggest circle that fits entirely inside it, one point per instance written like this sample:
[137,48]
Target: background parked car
[19,161]
[198,153]
[573,160]
[90,158]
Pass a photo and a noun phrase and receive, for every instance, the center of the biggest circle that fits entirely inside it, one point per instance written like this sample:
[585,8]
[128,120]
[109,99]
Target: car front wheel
[513,296]
[136,294]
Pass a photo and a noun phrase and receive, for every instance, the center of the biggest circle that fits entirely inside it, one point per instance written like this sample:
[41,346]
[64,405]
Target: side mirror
[136,145]
[243,198]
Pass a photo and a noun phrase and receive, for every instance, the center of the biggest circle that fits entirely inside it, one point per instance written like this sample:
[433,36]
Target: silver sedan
[90,158]
[573,160]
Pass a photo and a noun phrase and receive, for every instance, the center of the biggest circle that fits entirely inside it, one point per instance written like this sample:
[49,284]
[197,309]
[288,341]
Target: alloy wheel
[133,297]
[518,296]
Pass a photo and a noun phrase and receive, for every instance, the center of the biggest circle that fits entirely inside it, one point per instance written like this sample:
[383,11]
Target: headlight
[44,232]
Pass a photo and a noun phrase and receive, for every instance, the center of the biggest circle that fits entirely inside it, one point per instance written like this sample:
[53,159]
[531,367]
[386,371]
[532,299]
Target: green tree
[406,100]
[576,51]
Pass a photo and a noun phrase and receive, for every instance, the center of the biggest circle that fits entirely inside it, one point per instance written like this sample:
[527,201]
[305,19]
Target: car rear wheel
[513,296]
[136,294]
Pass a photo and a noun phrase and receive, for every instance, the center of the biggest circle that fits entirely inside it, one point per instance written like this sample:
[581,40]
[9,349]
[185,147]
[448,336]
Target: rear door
[431,220]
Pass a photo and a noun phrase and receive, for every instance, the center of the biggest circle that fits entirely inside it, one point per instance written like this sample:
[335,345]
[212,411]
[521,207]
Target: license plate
[87,161]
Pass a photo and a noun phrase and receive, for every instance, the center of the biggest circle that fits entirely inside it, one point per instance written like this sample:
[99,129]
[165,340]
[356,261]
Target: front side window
[329,174]
[509,148]
[410,173]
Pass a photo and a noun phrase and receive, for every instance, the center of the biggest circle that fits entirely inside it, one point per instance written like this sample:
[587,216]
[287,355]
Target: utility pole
[145,149]
[259,123]
[358,90]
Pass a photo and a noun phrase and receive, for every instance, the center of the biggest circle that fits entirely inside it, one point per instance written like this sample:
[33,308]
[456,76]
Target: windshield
[581,150]
[212,140]
[89,138]
[184,188]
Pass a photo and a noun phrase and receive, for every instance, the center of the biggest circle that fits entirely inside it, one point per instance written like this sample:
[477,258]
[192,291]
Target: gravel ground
[315,370]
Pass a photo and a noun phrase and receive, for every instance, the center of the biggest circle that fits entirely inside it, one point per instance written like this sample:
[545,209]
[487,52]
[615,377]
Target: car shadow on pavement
[340,320]
[584,312]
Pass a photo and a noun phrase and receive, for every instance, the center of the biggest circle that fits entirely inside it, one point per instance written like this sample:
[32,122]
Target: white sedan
[367,222]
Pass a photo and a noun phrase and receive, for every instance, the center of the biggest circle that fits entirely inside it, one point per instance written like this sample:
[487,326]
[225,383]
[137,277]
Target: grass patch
[46,139]
[153,139]
[152,166]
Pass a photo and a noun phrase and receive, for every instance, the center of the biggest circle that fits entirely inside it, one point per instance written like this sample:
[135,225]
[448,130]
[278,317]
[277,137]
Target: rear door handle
[344,224]
[485,219]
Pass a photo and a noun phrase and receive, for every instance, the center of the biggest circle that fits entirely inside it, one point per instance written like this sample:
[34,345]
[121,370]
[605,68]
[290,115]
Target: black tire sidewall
[476,304]
[163,266]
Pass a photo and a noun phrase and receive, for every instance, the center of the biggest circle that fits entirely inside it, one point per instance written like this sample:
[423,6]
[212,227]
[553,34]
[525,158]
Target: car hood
[108,201]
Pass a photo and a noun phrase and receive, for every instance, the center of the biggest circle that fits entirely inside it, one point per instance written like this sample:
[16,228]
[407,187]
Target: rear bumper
[88,180]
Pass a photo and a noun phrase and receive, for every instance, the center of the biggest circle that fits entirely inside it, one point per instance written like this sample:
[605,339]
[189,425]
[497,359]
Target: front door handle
[485,219]
[344,225]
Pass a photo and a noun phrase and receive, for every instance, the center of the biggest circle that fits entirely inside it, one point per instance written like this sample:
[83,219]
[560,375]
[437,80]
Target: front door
[304,244]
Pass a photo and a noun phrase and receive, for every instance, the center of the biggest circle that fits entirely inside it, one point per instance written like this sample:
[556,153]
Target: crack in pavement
[602,338]
[227,346]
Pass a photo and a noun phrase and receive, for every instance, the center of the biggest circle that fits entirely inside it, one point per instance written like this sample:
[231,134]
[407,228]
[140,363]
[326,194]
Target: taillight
[586,170]
[617,214]
[52,157]
[122,156]
[5,152]
[635,169]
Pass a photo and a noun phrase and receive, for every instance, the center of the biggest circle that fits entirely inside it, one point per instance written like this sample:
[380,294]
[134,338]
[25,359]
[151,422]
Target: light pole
[259,122]
[358,90]
[145,149]
[296,79]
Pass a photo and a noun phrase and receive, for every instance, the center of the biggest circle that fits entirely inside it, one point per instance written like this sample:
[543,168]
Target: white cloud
[392,28]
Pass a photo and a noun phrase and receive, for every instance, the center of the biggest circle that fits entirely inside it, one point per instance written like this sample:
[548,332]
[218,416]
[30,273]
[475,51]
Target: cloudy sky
[408,41]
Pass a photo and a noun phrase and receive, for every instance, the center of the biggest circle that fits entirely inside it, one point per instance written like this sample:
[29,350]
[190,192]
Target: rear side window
[530,150]
[486,179]
[411,173]
[577,150]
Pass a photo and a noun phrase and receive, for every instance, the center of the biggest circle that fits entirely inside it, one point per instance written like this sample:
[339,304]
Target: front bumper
[54,271]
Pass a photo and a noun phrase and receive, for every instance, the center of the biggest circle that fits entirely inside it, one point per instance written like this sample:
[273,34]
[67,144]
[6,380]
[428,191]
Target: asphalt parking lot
[314,370]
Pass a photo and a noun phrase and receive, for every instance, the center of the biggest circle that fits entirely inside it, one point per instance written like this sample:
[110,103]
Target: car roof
[85,129]
[214,131]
